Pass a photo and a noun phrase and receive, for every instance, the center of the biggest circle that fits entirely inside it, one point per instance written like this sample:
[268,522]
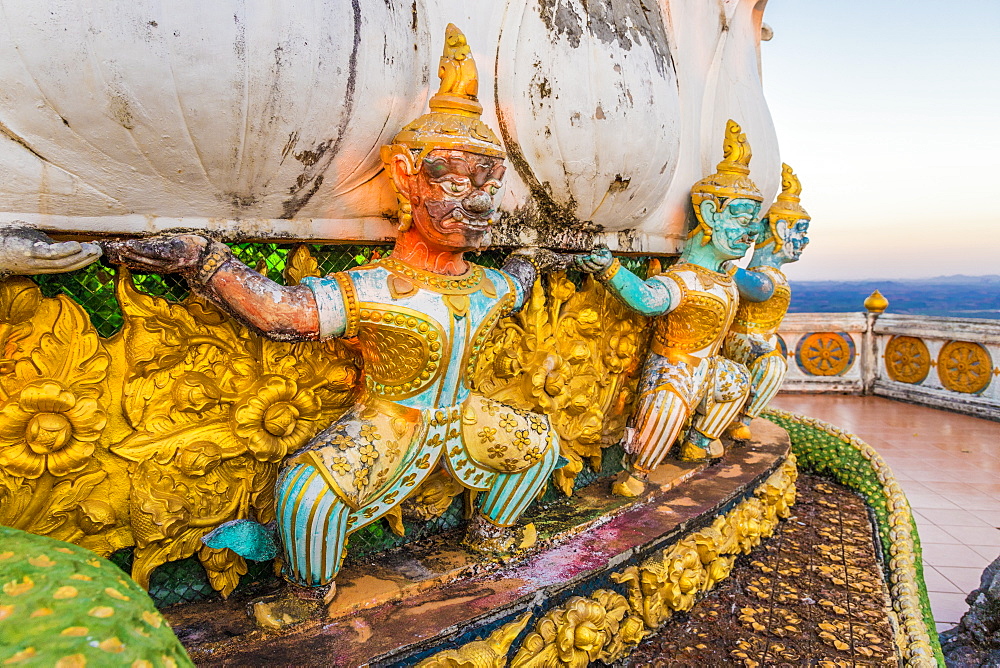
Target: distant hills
[956,296]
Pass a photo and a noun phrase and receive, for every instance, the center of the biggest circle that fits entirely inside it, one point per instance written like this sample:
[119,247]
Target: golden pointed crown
[786,207]
[454,120]
[731,179]
[732,176]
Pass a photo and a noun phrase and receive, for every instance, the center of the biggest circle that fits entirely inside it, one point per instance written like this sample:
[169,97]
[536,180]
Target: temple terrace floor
[949,466]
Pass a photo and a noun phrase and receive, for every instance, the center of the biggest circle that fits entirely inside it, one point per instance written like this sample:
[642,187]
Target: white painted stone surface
[138,116]
[869,374]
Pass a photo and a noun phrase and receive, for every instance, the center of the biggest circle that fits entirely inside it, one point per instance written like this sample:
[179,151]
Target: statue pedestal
[413,602]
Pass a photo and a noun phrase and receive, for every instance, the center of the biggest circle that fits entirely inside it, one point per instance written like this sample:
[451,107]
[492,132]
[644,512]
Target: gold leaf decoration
[299,265]
[573,355]
[673,580]
[214,407]
[580,632]
[157,435]
[491,652]
[55,407]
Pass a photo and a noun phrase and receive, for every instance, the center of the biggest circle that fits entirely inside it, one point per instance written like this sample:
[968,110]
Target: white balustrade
[951,363]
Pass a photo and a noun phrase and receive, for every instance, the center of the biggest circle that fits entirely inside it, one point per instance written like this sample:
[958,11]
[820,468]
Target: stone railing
[951,363]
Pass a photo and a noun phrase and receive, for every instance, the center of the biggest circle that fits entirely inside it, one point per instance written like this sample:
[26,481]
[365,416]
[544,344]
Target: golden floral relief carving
[490,652]
[157,435]
[580,632]
[672,581]
[56,420]
[573,355]
[214,407]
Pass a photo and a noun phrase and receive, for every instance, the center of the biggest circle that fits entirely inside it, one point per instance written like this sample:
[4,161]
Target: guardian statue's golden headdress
[454,120]
[786,207]
[731,179]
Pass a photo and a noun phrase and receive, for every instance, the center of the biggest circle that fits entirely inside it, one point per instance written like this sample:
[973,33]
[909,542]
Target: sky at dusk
[889,112]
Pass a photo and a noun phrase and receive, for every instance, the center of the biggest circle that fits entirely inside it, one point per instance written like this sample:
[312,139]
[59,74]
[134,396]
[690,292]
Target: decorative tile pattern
[811,595]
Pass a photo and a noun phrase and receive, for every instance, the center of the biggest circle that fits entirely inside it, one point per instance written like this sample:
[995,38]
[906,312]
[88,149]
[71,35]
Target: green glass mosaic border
[823,453]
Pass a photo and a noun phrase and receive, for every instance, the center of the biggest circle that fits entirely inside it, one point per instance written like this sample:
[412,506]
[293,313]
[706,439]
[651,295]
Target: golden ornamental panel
[155,436]
[694,325]
[907,359]
[825,353]
[573,354]
[763,316]
[964,367]
[402,348]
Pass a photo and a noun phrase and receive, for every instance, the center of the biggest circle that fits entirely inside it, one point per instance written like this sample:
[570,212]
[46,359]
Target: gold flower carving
[573,354]
[55,412]
[157,435]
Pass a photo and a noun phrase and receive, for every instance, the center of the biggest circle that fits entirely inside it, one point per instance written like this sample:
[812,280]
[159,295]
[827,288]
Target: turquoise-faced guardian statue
[685,381]
[753,338]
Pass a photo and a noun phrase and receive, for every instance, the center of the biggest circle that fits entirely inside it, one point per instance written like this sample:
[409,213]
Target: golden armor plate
[696,324]
[402,349]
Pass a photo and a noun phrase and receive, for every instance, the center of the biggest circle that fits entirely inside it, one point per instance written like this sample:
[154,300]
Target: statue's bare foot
[292,605]
[627,486]
[487,538]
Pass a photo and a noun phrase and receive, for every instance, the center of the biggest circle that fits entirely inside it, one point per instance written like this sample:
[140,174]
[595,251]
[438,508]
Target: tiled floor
[949,467]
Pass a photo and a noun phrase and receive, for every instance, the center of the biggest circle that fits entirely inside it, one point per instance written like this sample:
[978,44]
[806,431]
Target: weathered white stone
[121,117]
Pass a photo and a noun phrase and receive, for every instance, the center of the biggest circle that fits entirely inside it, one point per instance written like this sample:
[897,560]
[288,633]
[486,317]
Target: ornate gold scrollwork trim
[469,282]
[765,316]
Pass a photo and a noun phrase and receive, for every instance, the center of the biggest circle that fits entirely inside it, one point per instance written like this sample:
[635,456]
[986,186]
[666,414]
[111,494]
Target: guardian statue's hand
[25,251]
[594,261]
[163,254]
[545,260]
